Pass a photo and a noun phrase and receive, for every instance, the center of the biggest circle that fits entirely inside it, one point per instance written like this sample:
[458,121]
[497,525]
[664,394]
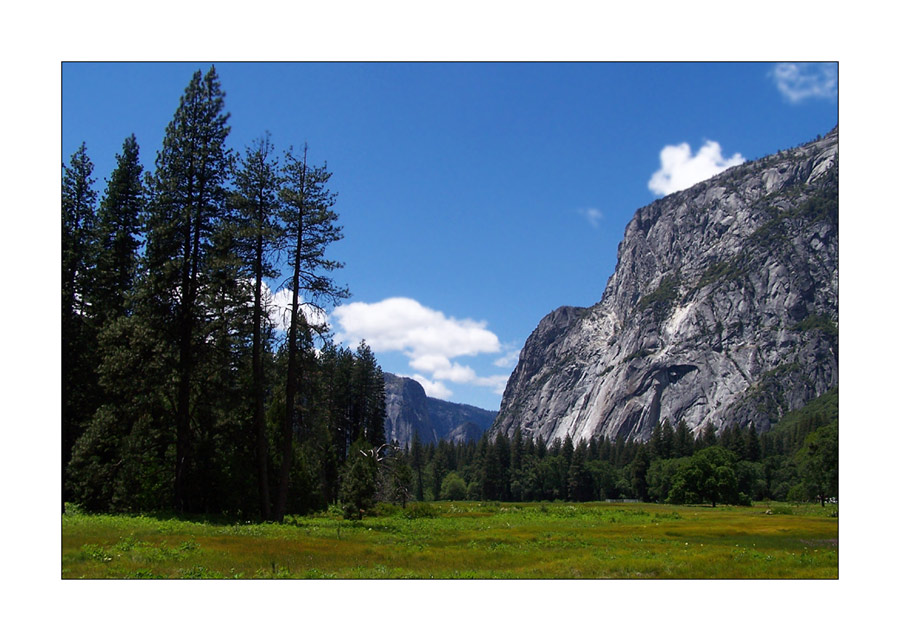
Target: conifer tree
[579,481]
[187,196]
[310,226]
[257,206]
[417,462]
[117,243]
[684,442]
[78,220]
[752,448]
[368,396]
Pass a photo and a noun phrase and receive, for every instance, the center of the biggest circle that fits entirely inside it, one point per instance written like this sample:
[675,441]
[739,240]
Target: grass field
[467,540]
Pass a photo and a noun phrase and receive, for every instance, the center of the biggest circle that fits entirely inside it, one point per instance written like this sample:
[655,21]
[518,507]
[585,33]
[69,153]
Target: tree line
[179,391]
[796,460]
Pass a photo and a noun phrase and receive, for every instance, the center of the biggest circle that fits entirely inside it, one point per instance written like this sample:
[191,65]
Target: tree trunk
[287,429]
[259,419]
[183,417]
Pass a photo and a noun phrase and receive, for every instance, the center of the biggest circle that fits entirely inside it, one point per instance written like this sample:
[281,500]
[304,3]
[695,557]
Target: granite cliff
[722,309]
[409,411]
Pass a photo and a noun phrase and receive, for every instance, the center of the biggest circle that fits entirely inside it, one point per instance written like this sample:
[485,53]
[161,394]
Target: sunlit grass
[467,540]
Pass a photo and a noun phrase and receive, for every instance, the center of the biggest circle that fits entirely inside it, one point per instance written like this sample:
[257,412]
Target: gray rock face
[409,411]
[723,309]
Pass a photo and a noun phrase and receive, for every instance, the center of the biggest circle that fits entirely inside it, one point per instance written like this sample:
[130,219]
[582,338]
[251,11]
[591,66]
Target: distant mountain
[723,309]
[409,411]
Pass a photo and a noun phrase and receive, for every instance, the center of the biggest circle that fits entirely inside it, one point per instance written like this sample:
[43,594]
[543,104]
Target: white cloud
[403,324]
[593,215]
[680,170]
[428,338]
[441,368]
[800,81]
[434,389]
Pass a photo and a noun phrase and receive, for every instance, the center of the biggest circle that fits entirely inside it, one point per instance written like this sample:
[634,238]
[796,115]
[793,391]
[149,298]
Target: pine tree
[310,225]
[187,196]
[117,243]
[667,440]
[752,449]
[78,220]
[684,442]
[358,481]
[223,450]
[438,469]
[257,206]
[639,467]
[368,396]
[417,461]
[706,438]
[579,479]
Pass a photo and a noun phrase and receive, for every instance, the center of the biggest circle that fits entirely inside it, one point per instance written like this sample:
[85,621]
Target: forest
[795,461]
[182,391]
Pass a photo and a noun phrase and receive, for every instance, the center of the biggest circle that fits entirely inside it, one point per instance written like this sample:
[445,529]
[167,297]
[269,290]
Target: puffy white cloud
[679,169]
[403,324]
[428,338]
[440,368]
[798,81]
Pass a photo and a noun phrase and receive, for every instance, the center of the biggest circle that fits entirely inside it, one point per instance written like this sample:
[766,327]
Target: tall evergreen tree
[187,196]
[579,481]
[684,442]
[752,449]
[117,243]
[78,220]
[417,462]
[368,396]
[257,205]
[311,227]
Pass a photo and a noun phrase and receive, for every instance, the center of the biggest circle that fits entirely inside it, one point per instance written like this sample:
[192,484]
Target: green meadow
[467,540]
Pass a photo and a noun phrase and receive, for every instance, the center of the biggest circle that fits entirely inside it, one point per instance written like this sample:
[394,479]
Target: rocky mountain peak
[722,309]
[409,411]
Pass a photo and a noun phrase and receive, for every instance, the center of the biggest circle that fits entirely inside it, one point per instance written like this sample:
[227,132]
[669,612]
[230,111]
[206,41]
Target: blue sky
[475,198]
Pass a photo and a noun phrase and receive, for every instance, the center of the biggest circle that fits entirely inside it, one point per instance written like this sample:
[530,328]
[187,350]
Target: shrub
[453,488]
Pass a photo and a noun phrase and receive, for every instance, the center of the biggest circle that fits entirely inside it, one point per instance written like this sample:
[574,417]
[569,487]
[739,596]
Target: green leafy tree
[453,487]
[661,476]
[709,475]
[817,463]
